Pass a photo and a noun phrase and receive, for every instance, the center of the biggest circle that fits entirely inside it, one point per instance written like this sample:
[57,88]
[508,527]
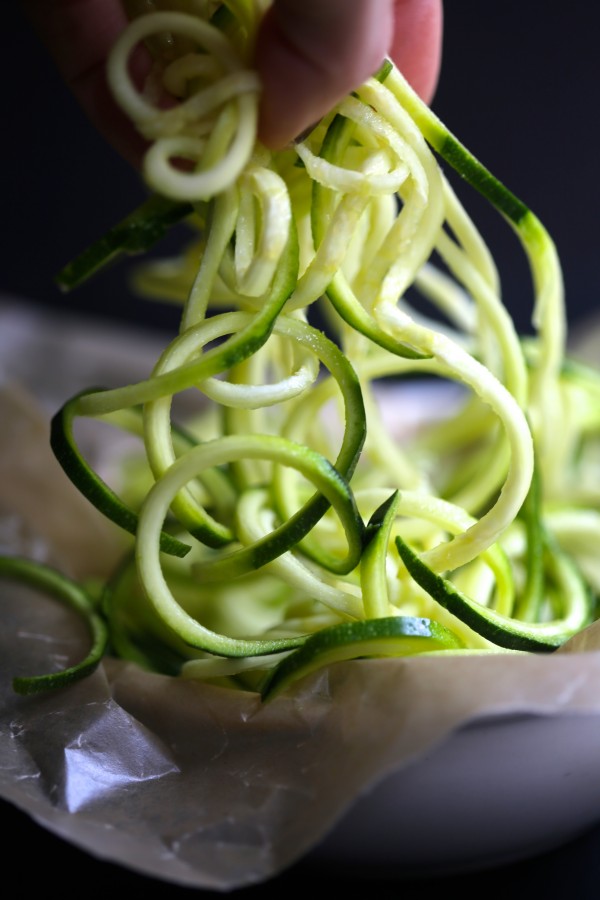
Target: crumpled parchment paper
[193,783]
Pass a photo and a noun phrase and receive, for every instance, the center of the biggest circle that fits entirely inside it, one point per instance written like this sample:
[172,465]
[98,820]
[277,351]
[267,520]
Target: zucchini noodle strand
[316,507]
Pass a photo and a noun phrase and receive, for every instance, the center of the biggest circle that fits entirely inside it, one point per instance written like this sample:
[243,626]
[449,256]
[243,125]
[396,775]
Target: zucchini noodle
[297,518]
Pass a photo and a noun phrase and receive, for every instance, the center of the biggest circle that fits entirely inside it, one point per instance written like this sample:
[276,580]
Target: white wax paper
[193,783]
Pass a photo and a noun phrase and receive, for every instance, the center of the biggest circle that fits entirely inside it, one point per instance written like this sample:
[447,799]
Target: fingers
[416,47]
[311,53]
[79,35]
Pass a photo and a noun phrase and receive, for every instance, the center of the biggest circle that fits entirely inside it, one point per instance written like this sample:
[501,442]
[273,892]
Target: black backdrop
[518,86]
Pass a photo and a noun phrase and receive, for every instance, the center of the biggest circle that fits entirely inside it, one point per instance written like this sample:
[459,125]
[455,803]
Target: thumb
[311,53]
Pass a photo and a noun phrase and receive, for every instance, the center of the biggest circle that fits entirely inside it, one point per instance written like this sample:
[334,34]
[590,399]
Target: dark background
[518,87]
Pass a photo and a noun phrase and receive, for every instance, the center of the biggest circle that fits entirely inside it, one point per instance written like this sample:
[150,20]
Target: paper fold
[204,785]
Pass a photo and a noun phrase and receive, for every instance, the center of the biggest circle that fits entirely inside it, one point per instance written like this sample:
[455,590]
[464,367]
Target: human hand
[79,35]
[310,54]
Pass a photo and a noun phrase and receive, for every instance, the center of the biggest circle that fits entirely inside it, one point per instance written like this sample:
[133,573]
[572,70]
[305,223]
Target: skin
[309,54]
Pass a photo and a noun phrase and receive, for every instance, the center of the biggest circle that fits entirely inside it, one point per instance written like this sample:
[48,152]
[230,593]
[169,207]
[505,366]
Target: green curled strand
[393,636]
[48,580]
[227,449]
[90,484]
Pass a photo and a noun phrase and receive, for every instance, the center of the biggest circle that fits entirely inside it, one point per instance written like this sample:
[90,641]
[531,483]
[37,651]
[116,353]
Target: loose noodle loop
[184,131]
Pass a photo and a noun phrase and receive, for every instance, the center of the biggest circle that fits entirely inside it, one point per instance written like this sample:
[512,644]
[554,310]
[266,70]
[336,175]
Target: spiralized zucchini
[296,519]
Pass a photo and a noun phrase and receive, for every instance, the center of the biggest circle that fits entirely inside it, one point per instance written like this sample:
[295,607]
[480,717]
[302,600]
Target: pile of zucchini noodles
[286,525]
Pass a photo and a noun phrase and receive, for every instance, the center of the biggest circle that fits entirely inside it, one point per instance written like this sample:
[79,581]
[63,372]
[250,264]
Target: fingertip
[289,90]
[417,45]
[309,57]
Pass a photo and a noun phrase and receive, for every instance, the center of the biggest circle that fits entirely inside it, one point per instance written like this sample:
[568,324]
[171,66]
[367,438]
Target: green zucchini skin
[136,234]
[81,474]
[503,631]
[392,636]
[53,583]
